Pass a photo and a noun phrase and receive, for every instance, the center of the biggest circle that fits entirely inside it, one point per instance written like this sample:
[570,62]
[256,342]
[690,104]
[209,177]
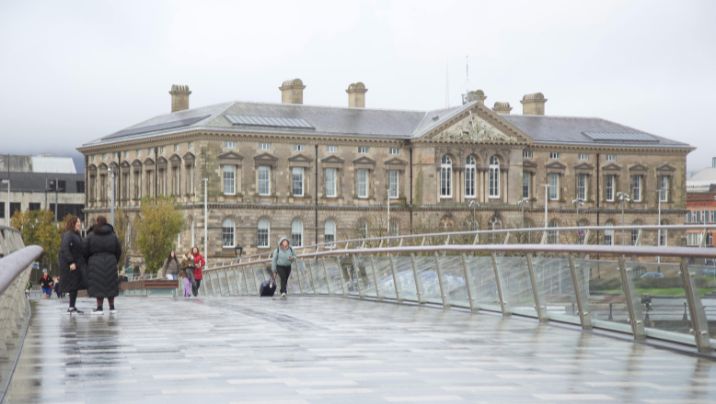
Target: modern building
[317,174]
[701,205]
[39,183]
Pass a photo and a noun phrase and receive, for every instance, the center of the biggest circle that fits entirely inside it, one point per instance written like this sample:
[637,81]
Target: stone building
[40,183]
[701,205]
[317,174]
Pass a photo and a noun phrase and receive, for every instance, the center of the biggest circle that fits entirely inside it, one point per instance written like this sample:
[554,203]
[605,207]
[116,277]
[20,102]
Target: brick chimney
[292,91]
[180,97]
[476,95]
[356,95]
[533,104]
[502,107]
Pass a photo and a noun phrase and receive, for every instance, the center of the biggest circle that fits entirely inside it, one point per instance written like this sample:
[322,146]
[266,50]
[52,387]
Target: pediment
[265,159]
[638,167]
[231,156]
[395,162]
[148,162]
[161,162]
[137,164]
[479,125]
[332,160]
[364,161]
[529,164]
[612,167]
[556,165]
[125,164]
[584,166]
[189,157]
[91,167]
[102,168]
[300,158]
[666,167]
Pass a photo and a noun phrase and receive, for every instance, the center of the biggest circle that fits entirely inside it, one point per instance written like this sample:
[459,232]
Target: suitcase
[267,289]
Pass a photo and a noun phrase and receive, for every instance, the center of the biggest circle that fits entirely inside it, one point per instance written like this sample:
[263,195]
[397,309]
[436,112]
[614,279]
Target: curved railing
[10,240]
[664,293]
[586,235]
[14,308]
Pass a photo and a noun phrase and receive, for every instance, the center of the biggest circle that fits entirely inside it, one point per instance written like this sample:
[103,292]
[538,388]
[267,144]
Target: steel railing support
[504,306]
[699,324]
[355,276]
[468,287]
[632,300]
[418,286]
[441,282]
[539,308]
[395,277]
[585,317]
[375,277]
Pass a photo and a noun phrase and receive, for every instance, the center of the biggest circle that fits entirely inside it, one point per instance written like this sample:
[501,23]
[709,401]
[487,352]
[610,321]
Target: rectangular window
[176,148]
[362,183]
[160,150]
[611,157]
[80,187]
[297,181]
[664,185]
[394,151]
[527,154]
[227,235]
[265,146]
[331,149]
[553,180]
[526,184]
[554,155]
[470,172]
[634,236]
[264,180]
[34,206]
[610,182]
[393,185]
[262,237]
[229,145]
[298,147]
[583,156]
[636,187]
[229,180]
[582,186]
[362,149]
[329,182]
[2,210]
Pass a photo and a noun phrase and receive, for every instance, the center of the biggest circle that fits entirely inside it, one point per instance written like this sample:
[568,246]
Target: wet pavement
[335,350]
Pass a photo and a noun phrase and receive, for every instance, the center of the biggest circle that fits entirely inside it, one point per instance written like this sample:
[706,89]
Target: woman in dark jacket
[72,261]
[103,251]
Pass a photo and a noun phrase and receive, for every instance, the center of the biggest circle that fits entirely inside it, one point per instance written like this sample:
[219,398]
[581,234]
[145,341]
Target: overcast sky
[72,71]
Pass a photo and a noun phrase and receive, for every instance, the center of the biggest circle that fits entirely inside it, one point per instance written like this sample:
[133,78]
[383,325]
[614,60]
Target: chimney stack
[502,107]
[292,91]
[476,95]
[533,104]
[180,97]
[356,95]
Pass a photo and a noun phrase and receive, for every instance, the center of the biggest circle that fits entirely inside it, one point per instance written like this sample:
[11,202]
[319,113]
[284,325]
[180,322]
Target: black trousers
[283,273]
[195,287]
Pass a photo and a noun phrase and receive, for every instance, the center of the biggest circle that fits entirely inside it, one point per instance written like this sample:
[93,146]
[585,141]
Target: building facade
[318,174]
[701,205]
[40,183]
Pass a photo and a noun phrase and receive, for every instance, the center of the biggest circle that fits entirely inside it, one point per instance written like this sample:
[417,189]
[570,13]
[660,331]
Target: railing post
[355,276]
[439,271]
[418,286]
[585,318]
[299,276]
[541,315]
[325,274]
[253,274]
[632,301]
[696,309]
[375,278]
[395,278]
[307,265]
[466,274]
[343,279]
[498,282]
[245,277]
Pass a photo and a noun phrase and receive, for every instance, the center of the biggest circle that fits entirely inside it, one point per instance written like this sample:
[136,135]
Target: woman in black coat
[72,261]
[103,251]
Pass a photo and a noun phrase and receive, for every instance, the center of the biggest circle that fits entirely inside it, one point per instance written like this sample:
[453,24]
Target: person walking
[103,252]
[281,261]
[199,263]
[186,283]
[72,261]
[171,266]
[46,283]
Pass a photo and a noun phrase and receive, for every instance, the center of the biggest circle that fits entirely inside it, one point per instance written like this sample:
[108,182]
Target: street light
[623,197]
[521,203]
[7,204]
[206,219]
[110,171]
[546,192]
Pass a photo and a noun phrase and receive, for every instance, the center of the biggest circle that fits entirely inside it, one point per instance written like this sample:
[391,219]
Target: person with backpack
[281,261]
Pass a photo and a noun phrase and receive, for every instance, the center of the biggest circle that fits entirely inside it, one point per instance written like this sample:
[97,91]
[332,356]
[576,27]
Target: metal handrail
[13,265]
[503,231]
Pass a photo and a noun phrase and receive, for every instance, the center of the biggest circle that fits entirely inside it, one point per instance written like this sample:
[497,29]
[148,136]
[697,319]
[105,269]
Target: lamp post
[658,222]
[206,219]
[546,213]
[111,197]
[7,204]
[623,198]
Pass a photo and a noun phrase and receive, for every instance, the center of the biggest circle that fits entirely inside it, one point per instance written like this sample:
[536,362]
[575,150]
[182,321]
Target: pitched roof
[252,117]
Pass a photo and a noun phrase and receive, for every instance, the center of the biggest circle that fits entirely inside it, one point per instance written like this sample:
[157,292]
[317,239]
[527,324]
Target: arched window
[297,233]
[227,233]
[470,170]
[553,235]
[446,177]
[494,177]
[636,233]
[609,233]
[262,233]
[329,232]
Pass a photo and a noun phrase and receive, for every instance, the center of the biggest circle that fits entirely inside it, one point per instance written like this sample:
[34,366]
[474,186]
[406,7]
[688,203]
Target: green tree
[123,230]
[157,227]
[38,227]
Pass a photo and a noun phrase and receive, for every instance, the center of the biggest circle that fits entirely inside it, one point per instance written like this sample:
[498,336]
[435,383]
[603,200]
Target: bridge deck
[327,350]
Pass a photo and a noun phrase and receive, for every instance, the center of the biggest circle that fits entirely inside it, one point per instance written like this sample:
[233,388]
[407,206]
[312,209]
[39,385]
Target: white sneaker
[283,295]
[112,311]
[97,311]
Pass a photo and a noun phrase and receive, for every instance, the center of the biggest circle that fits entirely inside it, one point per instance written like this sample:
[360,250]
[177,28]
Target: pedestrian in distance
[187,264]
[103,252]
[281,261]
[72,261]
[46,283]
[186,284]
[171,266]
[57,289]
[199,264]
